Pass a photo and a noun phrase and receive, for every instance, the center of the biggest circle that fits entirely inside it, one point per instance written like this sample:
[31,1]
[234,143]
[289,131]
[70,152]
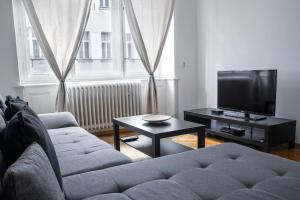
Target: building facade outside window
[128,46]
[36,49]
[104,4]
[106,45]
[84,50]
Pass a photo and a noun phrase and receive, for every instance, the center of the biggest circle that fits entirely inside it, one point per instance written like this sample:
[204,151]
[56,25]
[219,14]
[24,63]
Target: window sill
[90,81]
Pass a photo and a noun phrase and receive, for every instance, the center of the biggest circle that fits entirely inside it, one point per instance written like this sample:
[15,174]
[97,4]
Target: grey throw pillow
[14,105]
[21,131]
[31,177]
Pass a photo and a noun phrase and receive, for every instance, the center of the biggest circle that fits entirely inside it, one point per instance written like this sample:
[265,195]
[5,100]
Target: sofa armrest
[58,120]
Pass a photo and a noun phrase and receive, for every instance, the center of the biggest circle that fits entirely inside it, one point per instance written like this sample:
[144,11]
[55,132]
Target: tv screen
[248,91]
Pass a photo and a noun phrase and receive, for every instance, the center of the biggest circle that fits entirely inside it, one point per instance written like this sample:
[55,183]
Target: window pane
[109,50]
[103,50]
[104,4]
[86,50]
[80,52]
[97,52]
[133,63]
[36,51]
[129,51]
[86,36]
[38,64]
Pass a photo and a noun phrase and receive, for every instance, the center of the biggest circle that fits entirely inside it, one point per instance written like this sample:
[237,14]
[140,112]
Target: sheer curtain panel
[59,26]
[149,22]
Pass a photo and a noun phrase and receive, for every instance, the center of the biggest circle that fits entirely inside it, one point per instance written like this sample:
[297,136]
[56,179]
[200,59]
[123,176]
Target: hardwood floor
[190,140]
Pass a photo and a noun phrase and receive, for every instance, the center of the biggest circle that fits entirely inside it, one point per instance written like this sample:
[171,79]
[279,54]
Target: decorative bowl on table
[156,118]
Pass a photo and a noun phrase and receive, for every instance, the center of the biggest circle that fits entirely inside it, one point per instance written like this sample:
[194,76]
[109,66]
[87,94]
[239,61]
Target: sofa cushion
[31,177]
[114,196]
[58,120]
[161,189]
[22,130]
[79,151]
[250,194]
[207,173]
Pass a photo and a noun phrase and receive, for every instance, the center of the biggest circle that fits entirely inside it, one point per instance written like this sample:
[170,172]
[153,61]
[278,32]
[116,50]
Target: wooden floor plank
[191,141]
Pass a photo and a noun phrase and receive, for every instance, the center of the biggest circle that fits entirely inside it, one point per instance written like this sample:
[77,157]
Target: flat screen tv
[250,92]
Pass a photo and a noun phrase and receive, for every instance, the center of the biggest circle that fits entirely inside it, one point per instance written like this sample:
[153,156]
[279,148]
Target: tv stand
[263,134]
[245,116]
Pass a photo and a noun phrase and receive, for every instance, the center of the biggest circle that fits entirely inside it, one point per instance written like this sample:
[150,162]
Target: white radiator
[95,104]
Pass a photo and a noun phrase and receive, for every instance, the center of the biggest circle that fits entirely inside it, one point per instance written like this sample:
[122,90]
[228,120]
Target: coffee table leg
[201,138]
[155,147]
[117,136]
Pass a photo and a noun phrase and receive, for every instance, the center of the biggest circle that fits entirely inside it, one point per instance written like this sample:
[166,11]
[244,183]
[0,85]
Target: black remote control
[130,138]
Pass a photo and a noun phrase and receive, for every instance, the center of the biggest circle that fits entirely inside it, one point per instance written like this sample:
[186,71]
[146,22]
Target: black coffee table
[151,136]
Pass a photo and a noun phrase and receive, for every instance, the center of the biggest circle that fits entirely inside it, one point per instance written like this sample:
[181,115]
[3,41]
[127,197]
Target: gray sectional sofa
[93,170]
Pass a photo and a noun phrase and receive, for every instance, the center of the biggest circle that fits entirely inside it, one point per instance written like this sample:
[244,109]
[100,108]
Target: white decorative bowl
[156,118]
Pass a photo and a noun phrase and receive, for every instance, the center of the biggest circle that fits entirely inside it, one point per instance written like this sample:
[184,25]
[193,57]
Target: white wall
[253,34]
[9,77]
[186,66]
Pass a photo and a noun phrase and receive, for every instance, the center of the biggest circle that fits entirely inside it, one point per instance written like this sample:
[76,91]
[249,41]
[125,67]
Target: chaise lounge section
[93,170]
[224,172]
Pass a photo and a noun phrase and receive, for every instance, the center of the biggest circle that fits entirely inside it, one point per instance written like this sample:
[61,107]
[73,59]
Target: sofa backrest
[2,170]
[2,126]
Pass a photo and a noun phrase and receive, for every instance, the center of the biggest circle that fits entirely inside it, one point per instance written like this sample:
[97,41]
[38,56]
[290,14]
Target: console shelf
[264,133]
[255,138]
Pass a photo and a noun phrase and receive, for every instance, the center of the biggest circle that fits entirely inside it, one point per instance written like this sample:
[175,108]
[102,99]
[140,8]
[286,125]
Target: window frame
[106,44]
[119,64]
[84,42]
[23,50]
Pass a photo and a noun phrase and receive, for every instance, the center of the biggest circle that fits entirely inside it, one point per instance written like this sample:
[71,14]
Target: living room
[94,69]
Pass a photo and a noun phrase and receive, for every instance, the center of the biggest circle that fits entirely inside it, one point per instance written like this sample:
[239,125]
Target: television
[249,92]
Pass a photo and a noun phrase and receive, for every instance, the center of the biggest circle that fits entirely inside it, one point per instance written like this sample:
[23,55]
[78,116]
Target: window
[36,49]
[106,45]
[104,4]
[131,53]
[38,64]
[84,50]
[128,46]
[98,41]
[107,49]
[133,64]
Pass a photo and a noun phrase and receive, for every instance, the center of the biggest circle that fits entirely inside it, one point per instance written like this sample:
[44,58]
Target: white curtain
[149,22]
[59,27]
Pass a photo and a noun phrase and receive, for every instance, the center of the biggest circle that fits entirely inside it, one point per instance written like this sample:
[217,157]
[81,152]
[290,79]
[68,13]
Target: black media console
[265,133]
